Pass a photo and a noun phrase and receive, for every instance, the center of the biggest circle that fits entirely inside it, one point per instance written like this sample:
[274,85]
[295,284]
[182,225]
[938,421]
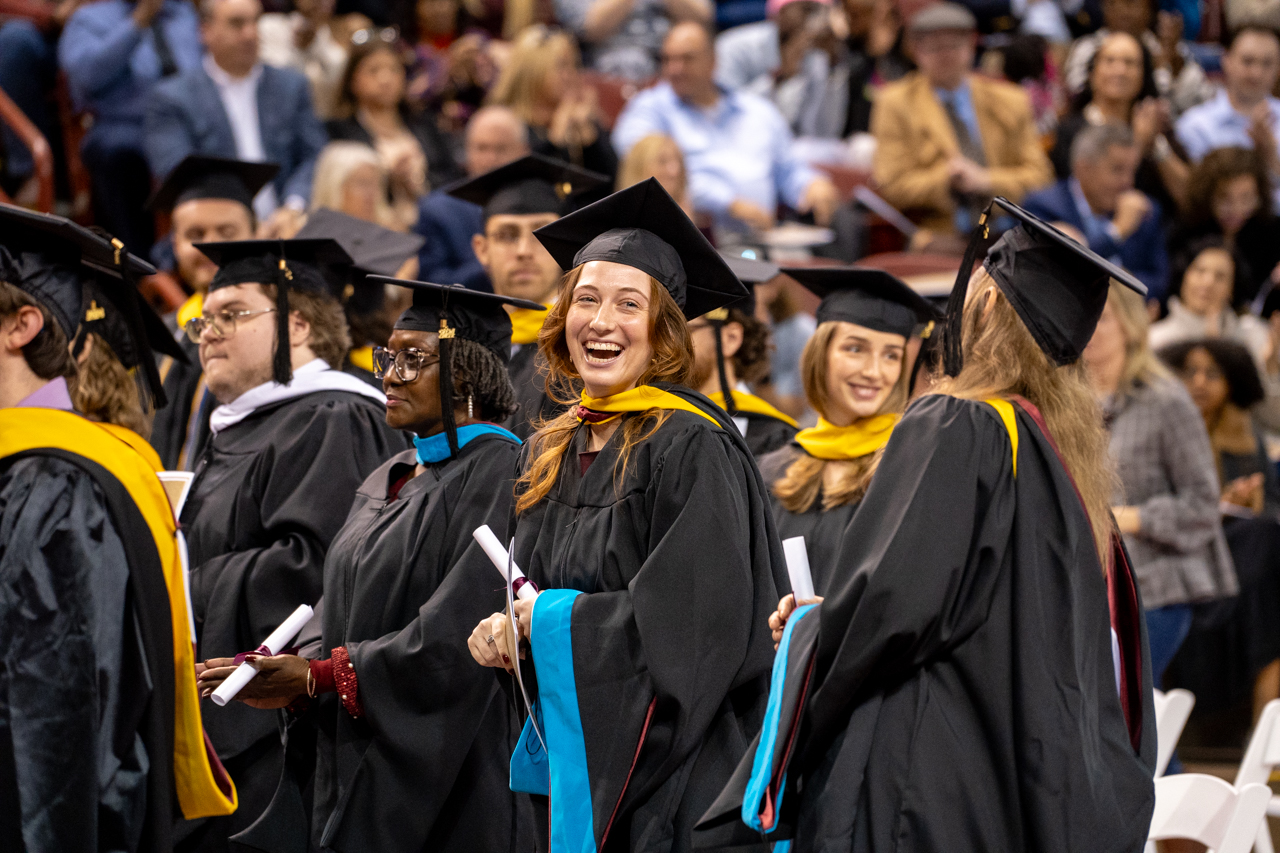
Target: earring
[471,412]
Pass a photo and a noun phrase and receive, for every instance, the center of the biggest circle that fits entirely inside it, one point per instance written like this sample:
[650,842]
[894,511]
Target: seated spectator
[949,140]
[302,40]
[1243,114]
[1208,277]
[495,137]
[1167,495]
[1222,379]
[113,52]
[233,106]
[454,68]
[372,109]
[1226,195]
[350,178]
[622,38]
[1120,89]
[657,156]
[1119,222]
[541,84]
[1176,74]
[736,146]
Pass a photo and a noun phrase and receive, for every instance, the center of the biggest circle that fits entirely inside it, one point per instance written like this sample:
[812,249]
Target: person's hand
[751,214]
[1128,519]
[409,173]
[1244,492]
[1132,207]
[822,198]
[280,679]
[1146,123]
[495,628]
[304,33]
[282,224]
[573,122]
[786,606]
[1263,134]
[968,177]
[145,11]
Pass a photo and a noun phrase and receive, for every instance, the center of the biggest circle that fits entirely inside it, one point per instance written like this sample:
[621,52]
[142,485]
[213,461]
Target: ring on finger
[489,639]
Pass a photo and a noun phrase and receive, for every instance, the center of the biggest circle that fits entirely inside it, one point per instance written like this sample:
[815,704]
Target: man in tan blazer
[949,140]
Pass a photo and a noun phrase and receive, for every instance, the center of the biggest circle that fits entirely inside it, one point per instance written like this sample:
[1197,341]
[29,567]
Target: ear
[731,335]
[299,330]
[21,328]
[480,245]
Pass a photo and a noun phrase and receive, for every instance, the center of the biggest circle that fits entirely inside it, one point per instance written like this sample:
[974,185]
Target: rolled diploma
[798,568]
[498,556]
[279,638]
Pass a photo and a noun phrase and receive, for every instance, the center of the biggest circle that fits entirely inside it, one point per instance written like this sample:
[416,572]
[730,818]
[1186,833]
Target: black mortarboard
[102,312]
[643,227]
[51,258]
[198,176]
[532,184]
[287,264]
[451,310]
[866,297]
[1057,286]
[750,272]
[374,250]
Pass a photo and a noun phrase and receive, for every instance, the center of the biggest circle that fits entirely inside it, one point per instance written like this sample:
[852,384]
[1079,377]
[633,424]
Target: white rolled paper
[497,554]
[279,638]
[798,568]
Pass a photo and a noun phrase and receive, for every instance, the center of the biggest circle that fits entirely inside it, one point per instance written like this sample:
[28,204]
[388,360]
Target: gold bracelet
[311,683]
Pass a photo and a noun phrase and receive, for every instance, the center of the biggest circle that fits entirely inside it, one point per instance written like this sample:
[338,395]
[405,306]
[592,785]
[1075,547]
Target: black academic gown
[671,648]
[765,434]
[822,529]
[269,495]
[529,379]
[426,766]
[86,663]
[181,427]
[962,695]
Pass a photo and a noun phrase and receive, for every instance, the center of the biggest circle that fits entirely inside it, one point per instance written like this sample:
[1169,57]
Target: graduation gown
[764,434]
[956,690]
[822,530]
[657,588]
[529,379]
[269,495]
[181,427]
[405,583]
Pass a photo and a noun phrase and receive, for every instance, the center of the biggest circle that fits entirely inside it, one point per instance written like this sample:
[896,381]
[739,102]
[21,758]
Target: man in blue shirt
[113,52]
[1244,114]
[736,146]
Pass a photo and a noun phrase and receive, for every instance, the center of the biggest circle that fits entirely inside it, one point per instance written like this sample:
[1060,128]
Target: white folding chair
[1209,810]
[1262,755]
[1172,710]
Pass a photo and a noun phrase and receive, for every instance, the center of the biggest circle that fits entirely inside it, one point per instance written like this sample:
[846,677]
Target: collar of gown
[311,377]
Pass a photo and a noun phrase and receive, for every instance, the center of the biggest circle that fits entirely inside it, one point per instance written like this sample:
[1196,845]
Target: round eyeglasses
[221,323]
[407,362]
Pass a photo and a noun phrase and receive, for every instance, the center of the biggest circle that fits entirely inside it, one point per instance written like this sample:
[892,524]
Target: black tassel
[446,385]
[952,346]
[282,359]
[150,386]
[716,318]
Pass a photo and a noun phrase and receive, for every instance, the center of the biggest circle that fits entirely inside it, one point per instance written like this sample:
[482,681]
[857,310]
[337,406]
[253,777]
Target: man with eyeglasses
[293,437]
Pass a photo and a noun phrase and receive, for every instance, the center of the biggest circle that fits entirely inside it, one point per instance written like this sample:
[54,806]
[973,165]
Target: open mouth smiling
[602,352]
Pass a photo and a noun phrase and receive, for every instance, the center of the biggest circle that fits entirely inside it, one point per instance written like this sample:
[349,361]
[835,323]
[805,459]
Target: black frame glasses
[221,323]
[408,363]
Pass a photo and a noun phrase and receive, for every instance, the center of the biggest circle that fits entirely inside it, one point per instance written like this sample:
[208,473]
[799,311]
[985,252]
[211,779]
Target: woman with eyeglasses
[399,705]
[293,437]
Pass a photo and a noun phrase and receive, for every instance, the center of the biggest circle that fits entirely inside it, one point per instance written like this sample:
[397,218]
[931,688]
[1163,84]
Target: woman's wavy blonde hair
[802,483]
[106,392]
[1001,359]
[534,54]
[672,362]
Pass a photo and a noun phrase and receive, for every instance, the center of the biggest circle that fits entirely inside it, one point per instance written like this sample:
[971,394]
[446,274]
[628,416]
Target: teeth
[595,345]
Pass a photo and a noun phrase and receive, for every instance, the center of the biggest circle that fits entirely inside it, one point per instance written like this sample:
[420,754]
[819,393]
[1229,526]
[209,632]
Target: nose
[524,246]
[602,322]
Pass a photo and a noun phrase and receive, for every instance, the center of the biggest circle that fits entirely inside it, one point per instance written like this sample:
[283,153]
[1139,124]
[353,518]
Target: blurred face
[863,365]
[518,265]
[360,193]
[1117,69]
[688,62]
[944,57]
[1235,201]
[415,406]
[1205,383]
[378,81]
[706,375]
[607,327]
[561,79]
[493,139]
[230,34]
[668,167]
[1108,344]
[1126,16]
[1208,282]
[437,17]
[1104,179]
[1251,67]
[206,220]
[242,360]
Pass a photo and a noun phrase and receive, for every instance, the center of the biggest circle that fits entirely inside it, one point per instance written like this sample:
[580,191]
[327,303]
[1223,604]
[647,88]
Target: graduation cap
[865,297]
[287,264]
[374,250]
[198,176]
[51,258]
[1057,286]
[533,184]
[102,312]
[453,311]
[643,227]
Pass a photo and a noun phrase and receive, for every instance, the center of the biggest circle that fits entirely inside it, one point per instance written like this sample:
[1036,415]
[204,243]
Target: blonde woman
[657,156]
[351,179]
[541,84]
[855,375]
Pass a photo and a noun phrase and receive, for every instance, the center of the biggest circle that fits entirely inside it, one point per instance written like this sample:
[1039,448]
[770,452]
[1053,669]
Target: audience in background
[304,41]
[736,146]
[623,37]
[947,139]
[1167,490]
[495,137]
[1210,278]
[1119,222]
[542,85]
[454,68]
[113,52]
[657,156]
[231,105]
[351,178]
[1267,412]
[789,330]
